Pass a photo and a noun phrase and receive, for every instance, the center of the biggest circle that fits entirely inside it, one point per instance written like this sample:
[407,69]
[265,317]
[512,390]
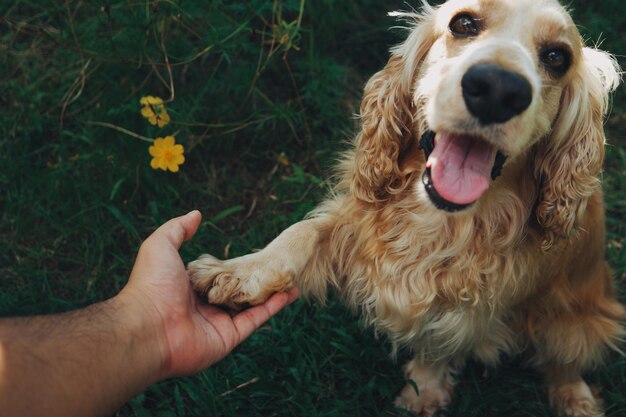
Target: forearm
[83,363]
[91,361]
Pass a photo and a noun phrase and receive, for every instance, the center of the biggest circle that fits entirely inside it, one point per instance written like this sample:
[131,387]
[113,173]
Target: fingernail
[193,213]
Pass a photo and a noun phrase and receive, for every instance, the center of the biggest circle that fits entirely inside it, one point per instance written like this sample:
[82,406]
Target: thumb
[180,229]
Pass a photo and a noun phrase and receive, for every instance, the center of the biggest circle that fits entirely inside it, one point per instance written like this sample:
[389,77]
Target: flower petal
[152,119]
[169,141]
[159,143]
[154,163]
[147,112]
[146,100]
[172,166]
[178,149]
[163,117]
[162,163]
[178,159]
[155,151]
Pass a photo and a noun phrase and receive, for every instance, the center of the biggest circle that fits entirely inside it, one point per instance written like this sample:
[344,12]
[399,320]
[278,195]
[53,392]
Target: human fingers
[179,229]
[249,320]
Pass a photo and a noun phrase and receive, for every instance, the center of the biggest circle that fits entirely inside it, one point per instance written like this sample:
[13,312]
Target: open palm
[193,335]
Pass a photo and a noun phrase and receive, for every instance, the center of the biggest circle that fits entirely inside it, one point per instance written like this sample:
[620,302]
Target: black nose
[494,94]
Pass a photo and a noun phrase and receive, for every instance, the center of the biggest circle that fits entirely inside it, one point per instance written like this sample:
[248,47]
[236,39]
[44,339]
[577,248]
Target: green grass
[77,198]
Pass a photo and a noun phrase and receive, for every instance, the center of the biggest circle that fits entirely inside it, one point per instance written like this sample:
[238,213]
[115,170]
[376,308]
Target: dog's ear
[569,162]
[387,116]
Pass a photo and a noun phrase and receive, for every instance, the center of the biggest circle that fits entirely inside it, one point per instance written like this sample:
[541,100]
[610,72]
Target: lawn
[262,96]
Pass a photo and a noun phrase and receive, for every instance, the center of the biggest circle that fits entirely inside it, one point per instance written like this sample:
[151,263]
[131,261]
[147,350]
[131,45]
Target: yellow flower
[283,159]
[154,110]
[166,154]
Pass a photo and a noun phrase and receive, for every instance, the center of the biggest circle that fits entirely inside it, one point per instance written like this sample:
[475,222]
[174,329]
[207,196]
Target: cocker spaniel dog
[468,220]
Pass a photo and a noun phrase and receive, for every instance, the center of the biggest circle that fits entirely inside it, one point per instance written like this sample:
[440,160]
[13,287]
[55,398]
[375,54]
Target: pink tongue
[461,167]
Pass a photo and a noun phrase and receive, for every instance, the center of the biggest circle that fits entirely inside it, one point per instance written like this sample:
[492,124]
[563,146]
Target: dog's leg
[570,396]
[572,333]
[429,388]
[288,261]
[569,344]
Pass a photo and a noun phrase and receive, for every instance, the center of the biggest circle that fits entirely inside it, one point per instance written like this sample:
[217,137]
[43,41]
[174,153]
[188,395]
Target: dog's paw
[430,402]
[575,400]
[429,389]
[240,282]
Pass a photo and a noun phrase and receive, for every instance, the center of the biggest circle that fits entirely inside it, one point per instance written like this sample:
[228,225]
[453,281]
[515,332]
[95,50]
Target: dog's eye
[556,60]
[464,25]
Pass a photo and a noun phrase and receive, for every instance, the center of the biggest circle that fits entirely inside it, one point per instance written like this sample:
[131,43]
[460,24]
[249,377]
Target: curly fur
[570,161]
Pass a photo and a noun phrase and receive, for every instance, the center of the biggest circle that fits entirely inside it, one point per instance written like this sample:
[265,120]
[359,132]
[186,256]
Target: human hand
[191,335]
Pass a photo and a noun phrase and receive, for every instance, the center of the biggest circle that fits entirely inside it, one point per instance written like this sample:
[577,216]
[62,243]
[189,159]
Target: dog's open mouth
[459,168]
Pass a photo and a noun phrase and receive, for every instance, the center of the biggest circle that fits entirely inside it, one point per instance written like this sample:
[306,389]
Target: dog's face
[482,82]
[489,88]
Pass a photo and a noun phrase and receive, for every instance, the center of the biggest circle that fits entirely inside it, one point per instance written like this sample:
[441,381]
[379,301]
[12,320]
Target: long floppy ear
[387,115]
[570,162]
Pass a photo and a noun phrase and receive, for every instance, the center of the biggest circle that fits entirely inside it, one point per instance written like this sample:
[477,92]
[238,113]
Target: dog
[467,221]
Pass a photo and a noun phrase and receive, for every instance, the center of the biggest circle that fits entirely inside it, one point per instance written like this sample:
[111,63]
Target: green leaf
[116,188]
[124,220]
[228,212]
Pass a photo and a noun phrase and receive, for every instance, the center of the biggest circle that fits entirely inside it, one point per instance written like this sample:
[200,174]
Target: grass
[262,96]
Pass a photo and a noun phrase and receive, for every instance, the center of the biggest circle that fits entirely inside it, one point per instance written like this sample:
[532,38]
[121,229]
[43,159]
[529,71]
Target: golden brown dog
[468,219]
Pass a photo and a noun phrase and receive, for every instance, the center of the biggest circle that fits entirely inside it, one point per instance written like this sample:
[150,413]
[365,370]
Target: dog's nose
[494,94]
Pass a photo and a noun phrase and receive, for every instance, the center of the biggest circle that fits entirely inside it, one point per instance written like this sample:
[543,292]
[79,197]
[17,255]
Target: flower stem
[121,129]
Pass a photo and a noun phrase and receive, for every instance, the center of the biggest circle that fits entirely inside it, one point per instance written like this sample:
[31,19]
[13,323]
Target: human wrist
[144,326]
